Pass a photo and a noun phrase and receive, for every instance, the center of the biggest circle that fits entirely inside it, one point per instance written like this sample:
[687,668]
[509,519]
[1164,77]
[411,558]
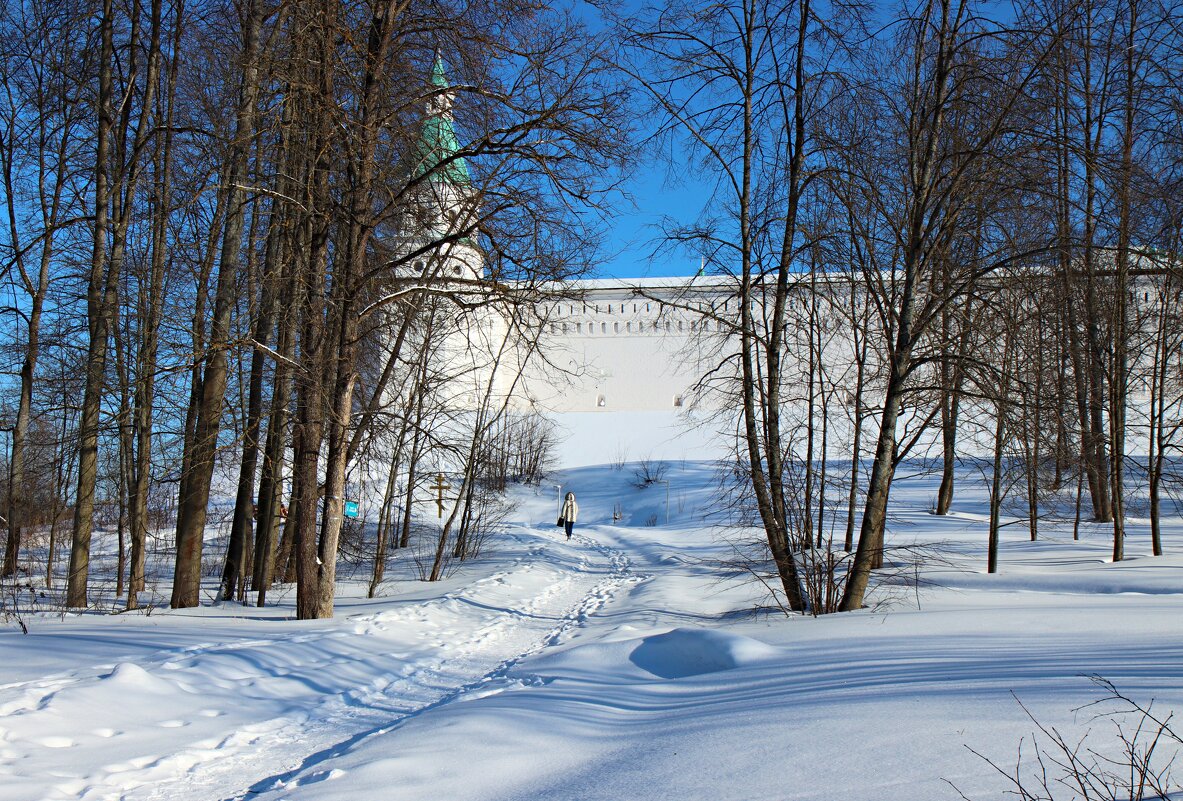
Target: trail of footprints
[456,661]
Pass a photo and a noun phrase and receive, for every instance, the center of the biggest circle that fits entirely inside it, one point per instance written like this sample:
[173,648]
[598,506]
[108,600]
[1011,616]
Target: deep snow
[635,662]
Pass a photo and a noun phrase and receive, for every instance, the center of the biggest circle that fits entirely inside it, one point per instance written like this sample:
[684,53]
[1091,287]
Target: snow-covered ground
[635,662]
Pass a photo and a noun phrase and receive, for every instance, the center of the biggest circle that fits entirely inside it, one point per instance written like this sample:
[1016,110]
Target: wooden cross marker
[439,486]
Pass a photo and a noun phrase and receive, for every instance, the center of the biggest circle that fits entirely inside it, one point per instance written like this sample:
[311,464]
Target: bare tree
[958,73]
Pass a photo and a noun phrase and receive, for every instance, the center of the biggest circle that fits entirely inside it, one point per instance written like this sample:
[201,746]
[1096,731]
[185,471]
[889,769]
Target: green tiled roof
[438,145]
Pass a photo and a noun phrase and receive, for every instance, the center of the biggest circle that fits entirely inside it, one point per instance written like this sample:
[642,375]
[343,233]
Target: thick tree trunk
[195,497]
[98,304]
[870,543]
[245,511]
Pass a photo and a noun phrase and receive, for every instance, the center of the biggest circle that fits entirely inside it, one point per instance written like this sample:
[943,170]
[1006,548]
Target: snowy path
[238,719]
[629,664]
[523,632]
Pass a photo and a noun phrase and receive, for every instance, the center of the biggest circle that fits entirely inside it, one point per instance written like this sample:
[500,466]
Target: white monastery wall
[619,346]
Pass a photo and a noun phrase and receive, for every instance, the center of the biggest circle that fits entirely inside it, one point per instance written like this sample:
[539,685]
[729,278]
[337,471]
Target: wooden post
[439,486]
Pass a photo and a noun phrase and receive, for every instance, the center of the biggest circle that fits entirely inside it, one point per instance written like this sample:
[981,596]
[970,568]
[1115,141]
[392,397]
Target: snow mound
[691,652]
[130,676]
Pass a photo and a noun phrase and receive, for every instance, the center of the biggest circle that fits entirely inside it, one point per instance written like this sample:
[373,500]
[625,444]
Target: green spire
[439,78]
[437,139]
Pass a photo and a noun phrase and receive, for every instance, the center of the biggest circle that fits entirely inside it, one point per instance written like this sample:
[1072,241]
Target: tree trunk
[245,510]
[195,498]
[98,304]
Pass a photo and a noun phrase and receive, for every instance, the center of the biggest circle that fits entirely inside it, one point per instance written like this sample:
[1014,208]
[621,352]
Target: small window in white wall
[420,266]
[679,325]
[678,401]
[628,326]
[601,401]
[719,325]
[564,328]
[616,328]
[579,328]
[603,328]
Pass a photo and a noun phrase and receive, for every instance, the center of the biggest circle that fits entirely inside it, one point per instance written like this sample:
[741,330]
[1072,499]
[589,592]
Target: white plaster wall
[615,350]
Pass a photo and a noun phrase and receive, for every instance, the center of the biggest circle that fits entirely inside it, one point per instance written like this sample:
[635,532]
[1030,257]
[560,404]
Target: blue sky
[634,233]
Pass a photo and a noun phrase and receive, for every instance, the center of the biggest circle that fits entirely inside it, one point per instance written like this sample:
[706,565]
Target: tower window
[677,401]
[601,401]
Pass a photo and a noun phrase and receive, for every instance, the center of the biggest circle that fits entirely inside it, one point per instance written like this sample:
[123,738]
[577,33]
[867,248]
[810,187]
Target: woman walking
[570,513]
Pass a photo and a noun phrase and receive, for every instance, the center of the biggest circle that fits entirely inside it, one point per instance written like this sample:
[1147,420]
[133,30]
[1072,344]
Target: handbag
[561,522]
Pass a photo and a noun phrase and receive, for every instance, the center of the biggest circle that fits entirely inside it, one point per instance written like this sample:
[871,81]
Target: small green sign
[352,509]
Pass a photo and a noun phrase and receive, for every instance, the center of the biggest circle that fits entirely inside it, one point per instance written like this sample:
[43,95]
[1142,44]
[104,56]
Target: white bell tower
[446,210]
